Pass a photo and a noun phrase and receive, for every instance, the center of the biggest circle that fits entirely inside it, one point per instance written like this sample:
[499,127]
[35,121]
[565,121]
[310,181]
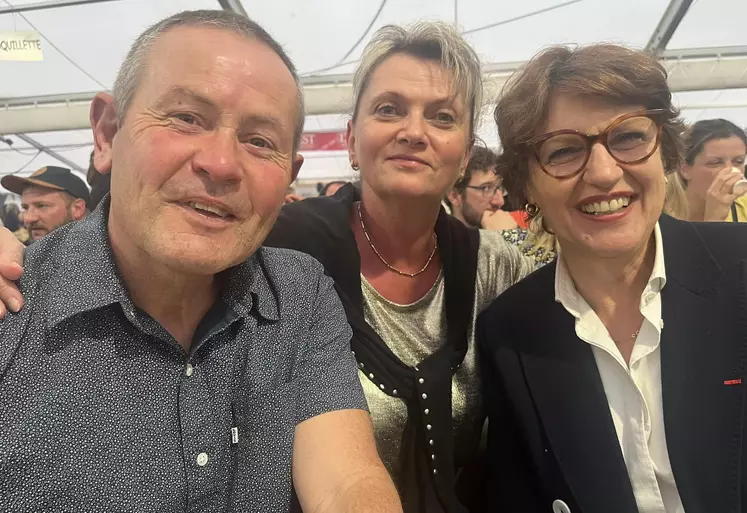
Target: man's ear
[296,166]
[104,123]
[78,209]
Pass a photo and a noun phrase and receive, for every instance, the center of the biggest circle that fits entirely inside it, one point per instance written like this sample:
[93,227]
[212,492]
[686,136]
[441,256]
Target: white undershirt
[633,393]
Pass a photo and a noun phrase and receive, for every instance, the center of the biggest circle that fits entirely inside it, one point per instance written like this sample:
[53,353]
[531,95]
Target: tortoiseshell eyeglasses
[630,139]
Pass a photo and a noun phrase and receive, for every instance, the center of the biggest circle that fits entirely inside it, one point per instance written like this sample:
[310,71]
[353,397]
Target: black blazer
[551,435]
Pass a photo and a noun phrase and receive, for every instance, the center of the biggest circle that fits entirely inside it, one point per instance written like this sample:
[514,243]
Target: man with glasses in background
[477,199]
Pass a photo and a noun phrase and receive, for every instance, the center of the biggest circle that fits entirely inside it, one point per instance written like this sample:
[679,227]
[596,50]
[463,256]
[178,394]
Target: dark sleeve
[511,484]
[327,373]
[284,230]
[303,226]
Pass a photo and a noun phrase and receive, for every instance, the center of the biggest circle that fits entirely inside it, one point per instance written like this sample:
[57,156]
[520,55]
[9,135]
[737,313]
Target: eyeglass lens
[630,141]
[488,191]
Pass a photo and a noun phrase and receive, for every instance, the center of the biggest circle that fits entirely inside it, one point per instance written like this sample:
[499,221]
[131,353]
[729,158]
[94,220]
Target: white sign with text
[23,45]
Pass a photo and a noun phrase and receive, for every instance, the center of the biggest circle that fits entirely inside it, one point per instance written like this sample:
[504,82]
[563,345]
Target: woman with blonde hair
[629,393]
[412,278]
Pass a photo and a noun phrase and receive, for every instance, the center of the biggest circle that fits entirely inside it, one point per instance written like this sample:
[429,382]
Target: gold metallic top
[416,330]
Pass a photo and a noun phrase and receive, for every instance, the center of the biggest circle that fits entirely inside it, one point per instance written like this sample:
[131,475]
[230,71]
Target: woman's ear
[350,138]
[685,172]
[465,159]
[455,197]
[530,193]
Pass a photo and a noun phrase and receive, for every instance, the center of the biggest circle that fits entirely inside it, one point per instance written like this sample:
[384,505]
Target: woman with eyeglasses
[623,387]
[712,178]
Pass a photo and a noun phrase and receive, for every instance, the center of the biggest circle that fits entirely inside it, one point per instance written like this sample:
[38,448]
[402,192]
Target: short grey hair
[131,71]
[430,40]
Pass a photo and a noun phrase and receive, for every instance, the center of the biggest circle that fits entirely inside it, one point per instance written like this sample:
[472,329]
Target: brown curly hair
[480,159]
[608,72]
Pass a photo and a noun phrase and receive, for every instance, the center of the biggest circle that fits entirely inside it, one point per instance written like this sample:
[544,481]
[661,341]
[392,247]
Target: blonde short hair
[433,41]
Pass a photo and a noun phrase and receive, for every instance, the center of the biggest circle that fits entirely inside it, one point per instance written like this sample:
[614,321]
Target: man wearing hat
[51,197]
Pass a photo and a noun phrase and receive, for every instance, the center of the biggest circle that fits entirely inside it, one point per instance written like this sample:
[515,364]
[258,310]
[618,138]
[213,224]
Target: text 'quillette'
[20,46]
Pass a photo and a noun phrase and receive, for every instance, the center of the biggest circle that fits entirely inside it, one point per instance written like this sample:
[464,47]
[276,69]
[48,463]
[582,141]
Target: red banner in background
[323,141]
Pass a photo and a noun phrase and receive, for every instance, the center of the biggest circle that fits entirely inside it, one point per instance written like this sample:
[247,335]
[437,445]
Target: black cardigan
[319,227]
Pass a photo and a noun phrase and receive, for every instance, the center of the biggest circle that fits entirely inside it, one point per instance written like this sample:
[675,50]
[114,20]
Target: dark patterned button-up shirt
[102,411]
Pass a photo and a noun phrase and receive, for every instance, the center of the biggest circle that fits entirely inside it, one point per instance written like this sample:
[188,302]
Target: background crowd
[710,186]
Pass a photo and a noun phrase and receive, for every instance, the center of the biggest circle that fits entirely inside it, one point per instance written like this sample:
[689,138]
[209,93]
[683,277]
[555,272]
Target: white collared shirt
[633,393]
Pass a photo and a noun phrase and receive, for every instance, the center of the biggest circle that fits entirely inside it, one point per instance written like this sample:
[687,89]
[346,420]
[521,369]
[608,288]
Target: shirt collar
[87,277]
[658,274]
[567,295]
[250,287]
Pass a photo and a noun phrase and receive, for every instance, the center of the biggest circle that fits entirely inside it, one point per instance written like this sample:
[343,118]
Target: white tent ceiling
[84,44]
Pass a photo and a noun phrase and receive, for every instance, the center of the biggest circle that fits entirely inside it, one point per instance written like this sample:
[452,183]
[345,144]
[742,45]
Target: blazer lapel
[703,356]
[569,396]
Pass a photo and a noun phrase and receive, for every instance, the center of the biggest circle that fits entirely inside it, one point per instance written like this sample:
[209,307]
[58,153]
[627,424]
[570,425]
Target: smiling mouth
[208,210]
[408,160]
[603,208]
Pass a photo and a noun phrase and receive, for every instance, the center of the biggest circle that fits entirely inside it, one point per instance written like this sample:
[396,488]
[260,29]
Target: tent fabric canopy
[83,46]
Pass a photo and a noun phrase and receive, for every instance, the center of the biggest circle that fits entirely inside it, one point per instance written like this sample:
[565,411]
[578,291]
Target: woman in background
[712,179]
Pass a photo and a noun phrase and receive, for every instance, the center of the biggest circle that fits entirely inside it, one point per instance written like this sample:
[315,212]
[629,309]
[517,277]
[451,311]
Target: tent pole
[233,6]
[39,146]
[668,24]
[51,4]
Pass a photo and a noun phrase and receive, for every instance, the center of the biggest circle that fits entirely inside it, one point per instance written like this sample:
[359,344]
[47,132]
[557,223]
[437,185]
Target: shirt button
[202,459]
[190,370]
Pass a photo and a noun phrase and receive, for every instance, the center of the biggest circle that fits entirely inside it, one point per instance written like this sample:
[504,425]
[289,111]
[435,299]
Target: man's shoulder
[289,262]
[64,259]
[285,285]
[50,252]
[44,260]
[293,275]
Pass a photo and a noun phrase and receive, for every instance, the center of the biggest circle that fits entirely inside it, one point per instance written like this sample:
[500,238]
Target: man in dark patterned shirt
[165,361]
